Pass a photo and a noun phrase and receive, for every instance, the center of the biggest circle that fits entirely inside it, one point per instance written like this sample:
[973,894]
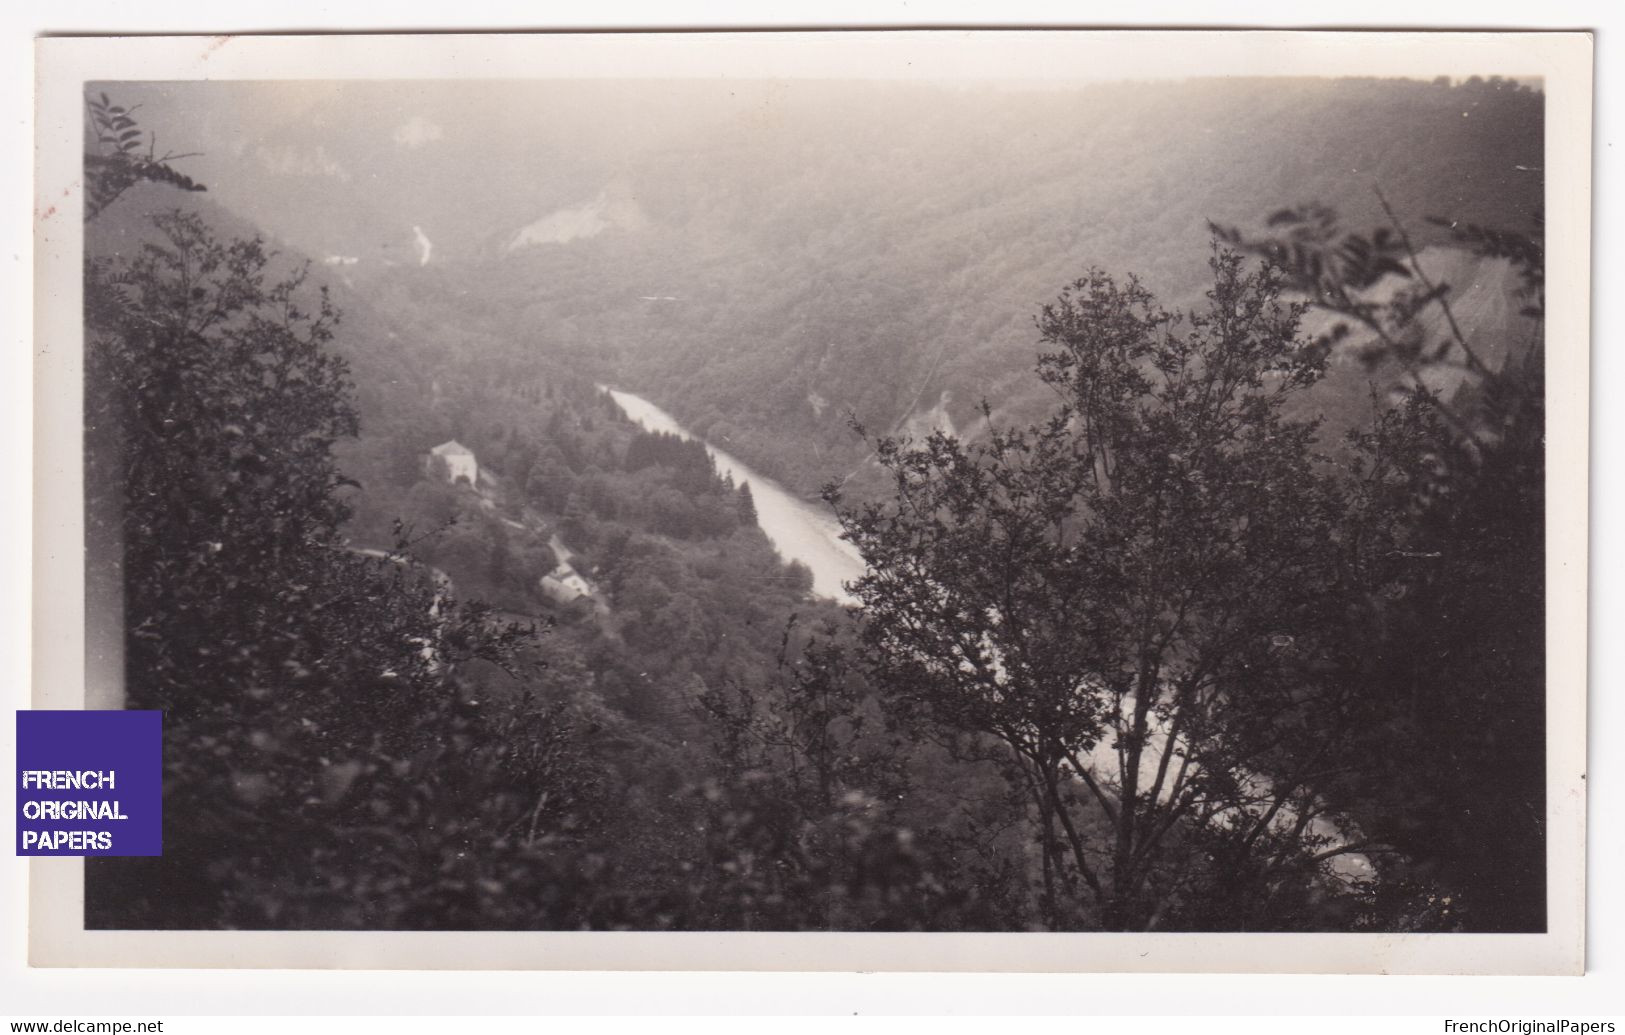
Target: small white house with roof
[455,460]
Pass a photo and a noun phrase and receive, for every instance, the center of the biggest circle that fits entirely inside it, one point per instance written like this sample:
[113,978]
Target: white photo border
[1563,61]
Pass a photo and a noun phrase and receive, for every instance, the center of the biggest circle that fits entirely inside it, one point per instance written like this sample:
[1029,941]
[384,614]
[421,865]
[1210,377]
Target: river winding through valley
[799,530]
[803,532]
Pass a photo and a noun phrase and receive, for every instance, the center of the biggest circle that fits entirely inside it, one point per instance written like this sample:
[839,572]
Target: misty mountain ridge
[337,168]
[763,259]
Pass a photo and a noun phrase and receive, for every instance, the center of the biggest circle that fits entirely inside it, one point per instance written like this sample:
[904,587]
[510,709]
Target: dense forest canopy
[1170,578]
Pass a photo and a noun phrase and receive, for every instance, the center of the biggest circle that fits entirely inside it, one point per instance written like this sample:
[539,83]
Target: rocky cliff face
[613,208]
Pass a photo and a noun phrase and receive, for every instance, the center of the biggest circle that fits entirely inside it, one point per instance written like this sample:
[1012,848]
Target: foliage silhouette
[1136,607]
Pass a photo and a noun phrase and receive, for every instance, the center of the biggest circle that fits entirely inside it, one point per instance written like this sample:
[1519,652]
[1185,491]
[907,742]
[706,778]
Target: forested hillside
[884,256]
[761,258]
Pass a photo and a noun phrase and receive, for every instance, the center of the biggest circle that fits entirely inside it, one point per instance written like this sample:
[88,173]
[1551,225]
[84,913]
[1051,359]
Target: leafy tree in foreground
[1458,665]
[326,765]
[804,819]
[211,408]
[1134,608]
[116,162]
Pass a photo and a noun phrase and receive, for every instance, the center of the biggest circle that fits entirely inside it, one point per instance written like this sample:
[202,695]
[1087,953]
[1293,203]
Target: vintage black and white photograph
[1094,496]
